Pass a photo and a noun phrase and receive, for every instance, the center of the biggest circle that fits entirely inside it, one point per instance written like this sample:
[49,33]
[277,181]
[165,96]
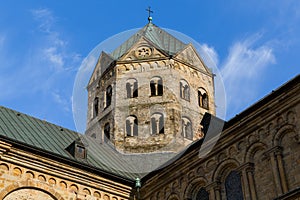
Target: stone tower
[149,94]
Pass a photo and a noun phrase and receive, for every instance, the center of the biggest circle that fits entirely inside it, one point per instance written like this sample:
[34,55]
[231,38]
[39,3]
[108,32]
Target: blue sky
[255,45]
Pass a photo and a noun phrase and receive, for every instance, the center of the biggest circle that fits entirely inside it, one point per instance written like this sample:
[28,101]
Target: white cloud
[55,57]
[45,17]
[243,69]
[61,101]
[209,55]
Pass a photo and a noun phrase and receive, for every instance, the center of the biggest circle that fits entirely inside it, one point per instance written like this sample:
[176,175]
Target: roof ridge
[156,35]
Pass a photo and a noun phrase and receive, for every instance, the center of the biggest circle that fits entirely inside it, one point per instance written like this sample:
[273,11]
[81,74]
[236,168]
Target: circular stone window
[143,52]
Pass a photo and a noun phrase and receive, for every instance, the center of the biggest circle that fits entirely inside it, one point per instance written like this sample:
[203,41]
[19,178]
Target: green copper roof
[160,38]
[53,139]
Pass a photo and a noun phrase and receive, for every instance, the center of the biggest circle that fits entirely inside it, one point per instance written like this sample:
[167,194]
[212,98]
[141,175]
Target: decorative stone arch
[250,152]
[39,186]
[223,168]
[194,186]
[282,131]
[173,196]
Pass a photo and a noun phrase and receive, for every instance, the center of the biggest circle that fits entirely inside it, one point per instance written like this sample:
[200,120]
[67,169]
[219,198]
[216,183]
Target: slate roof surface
[54,139]
[160,38]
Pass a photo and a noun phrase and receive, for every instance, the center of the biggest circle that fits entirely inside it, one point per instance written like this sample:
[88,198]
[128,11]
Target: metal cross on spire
[149,14]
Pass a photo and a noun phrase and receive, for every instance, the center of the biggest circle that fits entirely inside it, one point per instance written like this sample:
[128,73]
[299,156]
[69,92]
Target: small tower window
[202,98]
[108,96]
[132,88]
[187,130]
[106,132]
[132,126]
[184,90]
[96,107]
[157,123]
[77,149]
[156,86]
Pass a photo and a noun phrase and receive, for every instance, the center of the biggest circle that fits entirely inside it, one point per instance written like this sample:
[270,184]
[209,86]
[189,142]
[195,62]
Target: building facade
[149,94]
[155,95]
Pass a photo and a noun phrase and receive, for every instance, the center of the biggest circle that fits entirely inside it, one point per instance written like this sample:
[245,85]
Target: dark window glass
[96,106]
[233,186]
[202,194]
[106,132]
[108,95]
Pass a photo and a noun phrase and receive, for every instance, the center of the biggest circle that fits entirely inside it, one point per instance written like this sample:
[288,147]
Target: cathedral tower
[149,94]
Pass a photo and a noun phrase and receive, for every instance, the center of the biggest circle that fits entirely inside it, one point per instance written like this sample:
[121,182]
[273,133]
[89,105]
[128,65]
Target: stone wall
[262,146]
[27,176]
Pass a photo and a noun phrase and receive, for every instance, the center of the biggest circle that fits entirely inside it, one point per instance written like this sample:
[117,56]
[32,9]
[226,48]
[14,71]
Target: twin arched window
[184,90]
[132,88]
[157,123]
[156,86]
[202,98]
[187,130]
[233,188]
[131,126]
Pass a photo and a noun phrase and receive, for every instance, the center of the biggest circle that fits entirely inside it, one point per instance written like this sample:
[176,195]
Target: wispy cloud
[46,19]
[242,70]
[62,101]
[41,66]
[209,55]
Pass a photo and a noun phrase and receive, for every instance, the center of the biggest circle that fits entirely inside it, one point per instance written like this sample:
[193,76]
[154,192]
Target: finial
[149,14]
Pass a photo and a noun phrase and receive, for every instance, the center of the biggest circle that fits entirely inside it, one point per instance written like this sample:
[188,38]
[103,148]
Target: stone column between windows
[278,155]
[157,125]
[214,190]
[131,89]
[156,87]
[247,179]
[250,177]
[277,169]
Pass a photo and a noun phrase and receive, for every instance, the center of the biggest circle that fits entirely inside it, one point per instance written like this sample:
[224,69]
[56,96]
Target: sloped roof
[160,38]
[53,139]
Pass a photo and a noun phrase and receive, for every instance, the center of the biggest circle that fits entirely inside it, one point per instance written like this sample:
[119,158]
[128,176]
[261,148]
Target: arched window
[157,123]
[187,130]
[184,90]
[132,88]
[131,126]
[156,86]
[202,98]
[108,96]
[233,186]
[96,107]
[106,132]
[202,194]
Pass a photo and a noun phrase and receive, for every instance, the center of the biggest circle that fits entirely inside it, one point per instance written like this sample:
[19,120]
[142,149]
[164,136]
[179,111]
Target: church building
[152,134]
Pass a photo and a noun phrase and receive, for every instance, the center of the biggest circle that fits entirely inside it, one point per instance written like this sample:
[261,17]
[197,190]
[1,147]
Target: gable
[189,55]
[103,63]
[143,49]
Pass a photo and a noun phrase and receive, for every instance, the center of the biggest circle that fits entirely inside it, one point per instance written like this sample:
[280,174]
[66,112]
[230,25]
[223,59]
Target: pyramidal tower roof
[161,39]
